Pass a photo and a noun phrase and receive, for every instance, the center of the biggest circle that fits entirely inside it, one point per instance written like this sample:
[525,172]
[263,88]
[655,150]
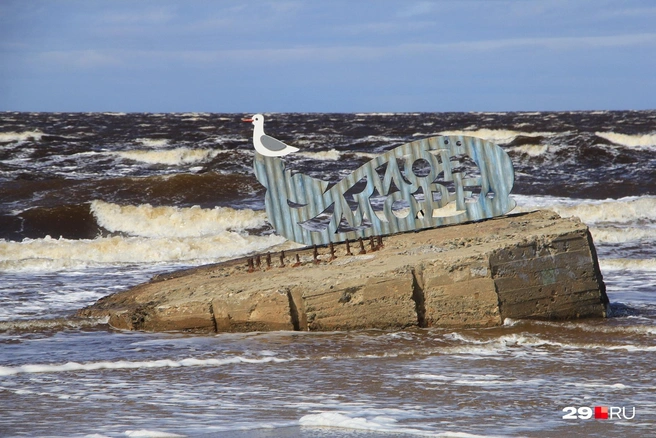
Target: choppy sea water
[91,204]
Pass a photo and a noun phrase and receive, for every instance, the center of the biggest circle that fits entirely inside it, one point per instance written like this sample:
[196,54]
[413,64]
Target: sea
[94,203]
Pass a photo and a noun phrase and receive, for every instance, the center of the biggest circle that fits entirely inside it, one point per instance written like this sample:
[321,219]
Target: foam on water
[532,150]
[619,211]
[639,141]
[615,235]
[582,326]
[147,234]
[628,264]
[511,343]
[56,254]
[17,137]
[146,433]
[381,424]
[499,136]
[500,348]
[329,155]
[132,365]
[148,221]
[153,142]
[50,324]
[170,157]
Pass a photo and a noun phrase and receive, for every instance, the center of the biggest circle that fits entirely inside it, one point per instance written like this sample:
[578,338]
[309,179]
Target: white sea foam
[381,423]
[153,142]
[152,235]
[331,155]
[534,150]
[637,329]
[622,235]
[145,433]
[132,365]
[56,254]
[623,210]
[148,221]
[13,137]
[599,384]
[628,265]
[638,141]
[507,343]
[476,380]
[367,155]
[171,156]
[500,136]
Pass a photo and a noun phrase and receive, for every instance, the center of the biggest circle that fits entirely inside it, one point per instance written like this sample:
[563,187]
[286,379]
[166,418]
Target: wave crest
[56,254]
[639,141]
[498,136]
[147,221]
[171,156]
[624,210]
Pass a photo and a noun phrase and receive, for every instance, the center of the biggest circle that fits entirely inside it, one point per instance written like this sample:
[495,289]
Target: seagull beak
[246,120]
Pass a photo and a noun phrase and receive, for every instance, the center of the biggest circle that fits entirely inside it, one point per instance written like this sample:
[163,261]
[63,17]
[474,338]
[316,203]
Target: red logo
[601,412]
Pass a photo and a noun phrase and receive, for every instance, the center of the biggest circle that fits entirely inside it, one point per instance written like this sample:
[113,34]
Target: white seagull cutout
[264,144]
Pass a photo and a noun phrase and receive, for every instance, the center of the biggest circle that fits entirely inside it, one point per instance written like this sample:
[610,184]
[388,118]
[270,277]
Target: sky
[327,55]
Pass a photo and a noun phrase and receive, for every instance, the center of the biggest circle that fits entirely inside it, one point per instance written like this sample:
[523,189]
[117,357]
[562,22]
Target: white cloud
[151,16]
[85,59]
[261,56]
[558,43]
[416,9]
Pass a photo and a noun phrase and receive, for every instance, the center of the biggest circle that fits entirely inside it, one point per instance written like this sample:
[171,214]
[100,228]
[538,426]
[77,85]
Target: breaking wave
[640,141]
[148,221]
[16,137]
[507,343]
[146,234]
[170,157]
[625,264]
[331,155]
[56,254]
[153,142]
[624,210]
[621,235]
[532,150]
[499,136]
[131,365]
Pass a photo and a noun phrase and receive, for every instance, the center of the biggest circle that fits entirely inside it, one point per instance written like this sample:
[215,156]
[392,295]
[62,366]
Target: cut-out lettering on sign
[423,184]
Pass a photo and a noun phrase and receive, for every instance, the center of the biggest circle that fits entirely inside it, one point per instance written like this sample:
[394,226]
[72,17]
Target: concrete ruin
[531,265]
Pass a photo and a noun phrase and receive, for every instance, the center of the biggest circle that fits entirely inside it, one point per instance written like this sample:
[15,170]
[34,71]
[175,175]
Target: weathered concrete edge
[560,279]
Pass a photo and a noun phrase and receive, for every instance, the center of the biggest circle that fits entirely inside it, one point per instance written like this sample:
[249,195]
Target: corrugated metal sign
[423,184]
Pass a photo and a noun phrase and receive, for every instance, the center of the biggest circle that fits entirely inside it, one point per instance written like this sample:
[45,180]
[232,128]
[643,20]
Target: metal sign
[427,183]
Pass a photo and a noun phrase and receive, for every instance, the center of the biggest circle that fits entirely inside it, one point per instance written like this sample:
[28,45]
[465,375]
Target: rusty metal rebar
[348,248]
[315,255]
[298,262]
[250,265]
[332,252]
[362,250]
[268,260]
[282,259]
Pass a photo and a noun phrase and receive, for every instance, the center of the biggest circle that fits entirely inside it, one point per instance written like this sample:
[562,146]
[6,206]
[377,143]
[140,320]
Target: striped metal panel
[303,209]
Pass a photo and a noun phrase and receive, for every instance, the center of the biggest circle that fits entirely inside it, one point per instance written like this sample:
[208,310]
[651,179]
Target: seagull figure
[267,145]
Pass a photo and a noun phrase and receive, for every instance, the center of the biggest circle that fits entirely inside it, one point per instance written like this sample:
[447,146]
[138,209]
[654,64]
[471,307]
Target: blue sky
[327,56]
